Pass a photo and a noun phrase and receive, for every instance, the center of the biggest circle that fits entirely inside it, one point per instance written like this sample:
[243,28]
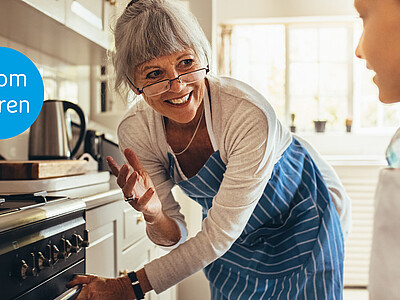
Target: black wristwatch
[137,289]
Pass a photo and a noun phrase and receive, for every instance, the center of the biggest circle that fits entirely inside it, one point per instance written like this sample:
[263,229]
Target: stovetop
[42,244]
[14,202]
[18,210]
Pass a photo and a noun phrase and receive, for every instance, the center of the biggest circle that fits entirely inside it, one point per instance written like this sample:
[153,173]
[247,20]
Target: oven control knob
[47,259]
[40,261]
[85,242]
[24,267]
[28,269]
[55,253]
[76,243]
[44,261]
[31,269]
[65,247]
[68,246]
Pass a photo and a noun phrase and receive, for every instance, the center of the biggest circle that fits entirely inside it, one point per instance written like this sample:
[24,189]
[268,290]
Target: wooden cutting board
[39,169]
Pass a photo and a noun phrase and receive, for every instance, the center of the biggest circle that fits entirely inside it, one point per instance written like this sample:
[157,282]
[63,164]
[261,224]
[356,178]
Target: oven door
[71,294]
[54,287]
[38,259]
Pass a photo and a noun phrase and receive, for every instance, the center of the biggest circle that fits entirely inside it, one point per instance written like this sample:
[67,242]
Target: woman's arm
[160,227]
[139,142]
[163,230]
[109,288]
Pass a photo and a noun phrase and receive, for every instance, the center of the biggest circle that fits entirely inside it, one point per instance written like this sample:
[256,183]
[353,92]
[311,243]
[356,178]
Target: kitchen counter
[74,199]
[94,195]
[94,188]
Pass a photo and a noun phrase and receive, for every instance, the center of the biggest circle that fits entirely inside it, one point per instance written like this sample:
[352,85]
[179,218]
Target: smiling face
[380,44]
[181,102]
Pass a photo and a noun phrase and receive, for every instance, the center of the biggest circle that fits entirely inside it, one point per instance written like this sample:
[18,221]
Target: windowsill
[351,145]
[356,160]
[369,133]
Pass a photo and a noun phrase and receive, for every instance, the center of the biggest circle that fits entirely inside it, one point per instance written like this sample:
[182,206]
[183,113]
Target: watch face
[132,276]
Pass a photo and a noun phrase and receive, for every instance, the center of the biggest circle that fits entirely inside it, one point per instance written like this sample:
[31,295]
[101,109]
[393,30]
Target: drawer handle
[123,273]
[139,217]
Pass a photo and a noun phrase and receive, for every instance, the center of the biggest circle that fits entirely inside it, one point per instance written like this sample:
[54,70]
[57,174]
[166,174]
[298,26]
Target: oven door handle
[70,294]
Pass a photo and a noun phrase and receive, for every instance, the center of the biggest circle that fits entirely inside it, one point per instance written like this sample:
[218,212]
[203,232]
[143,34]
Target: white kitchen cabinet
[102,224]
[90,18]
[137,249]
[53,8]
[136,256]
[118,243]
[133,225]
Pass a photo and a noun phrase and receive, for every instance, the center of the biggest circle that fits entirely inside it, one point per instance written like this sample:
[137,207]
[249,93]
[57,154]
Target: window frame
[347,22]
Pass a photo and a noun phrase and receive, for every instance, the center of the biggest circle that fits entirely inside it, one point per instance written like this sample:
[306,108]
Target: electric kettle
[50,135]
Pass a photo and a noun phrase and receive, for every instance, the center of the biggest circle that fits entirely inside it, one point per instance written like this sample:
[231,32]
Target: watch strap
[137,289]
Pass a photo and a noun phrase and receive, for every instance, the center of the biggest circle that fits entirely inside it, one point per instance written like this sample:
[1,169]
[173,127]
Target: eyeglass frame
[140,91]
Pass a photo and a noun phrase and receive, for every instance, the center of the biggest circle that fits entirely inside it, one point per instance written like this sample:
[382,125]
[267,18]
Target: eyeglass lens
[165,85]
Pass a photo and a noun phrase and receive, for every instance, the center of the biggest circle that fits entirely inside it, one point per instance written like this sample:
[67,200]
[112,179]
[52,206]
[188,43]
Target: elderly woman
[270,228]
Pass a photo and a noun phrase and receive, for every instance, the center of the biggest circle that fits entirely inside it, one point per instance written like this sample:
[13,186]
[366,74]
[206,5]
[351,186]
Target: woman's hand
[98,288]
[138,185]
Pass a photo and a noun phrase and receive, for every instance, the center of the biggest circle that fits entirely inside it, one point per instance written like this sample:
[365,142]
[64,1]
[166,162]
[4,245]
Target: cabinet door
[135,256]
[101,253]
[53,8]
[90,19]
[134,227]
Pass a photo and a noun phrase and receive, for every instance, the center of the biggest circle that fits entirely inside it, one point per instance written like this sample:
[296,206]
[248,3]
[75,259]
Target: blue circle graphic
[21,93]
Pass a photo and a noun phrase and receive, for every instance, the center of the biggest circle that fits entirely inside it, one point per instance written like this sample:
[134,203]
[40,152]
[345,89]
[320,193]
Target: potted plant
[319,124]
[349,123]
[292,125]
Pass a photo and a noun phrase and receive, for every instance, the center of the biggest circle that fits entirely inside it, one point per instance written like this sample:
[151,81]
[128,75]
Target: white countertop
[95,188]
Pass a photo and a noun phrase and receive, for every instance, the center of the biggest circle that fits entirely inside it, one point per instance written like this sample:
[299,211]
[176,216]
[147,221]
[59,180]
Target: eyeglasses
[164,85]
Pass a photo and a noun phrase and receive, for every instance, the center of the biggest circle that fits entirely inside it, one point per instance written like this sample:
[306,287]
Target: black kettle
[50,136]
[99,147]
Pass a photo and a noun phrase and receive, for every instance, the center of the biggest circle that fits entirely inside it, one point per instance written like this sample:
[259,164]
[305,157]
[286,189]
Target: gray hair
[151,28]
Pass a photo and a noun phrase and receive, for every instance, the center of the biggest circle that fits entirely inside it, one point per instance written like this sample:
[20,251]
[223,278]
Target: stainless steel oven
[42,245]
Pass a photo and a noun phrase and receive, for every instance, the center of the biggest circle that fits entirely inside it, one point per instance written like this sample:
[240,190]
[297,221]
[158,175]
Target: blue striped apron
[292,246]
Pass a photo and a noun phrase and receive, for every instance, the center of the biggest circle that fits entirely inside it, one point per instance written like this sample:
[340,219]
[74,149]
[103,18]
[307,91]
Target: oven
[42,245]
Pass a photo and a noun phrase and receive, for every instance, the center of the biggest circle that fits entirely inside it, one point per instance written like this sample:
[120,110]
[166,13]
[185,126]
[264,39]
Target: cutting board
[39,169]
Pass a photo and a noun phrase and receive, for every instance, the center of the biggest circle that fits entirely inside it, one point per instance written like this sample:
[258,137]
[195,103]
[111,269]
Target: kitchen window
[60,83]
[307,68]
